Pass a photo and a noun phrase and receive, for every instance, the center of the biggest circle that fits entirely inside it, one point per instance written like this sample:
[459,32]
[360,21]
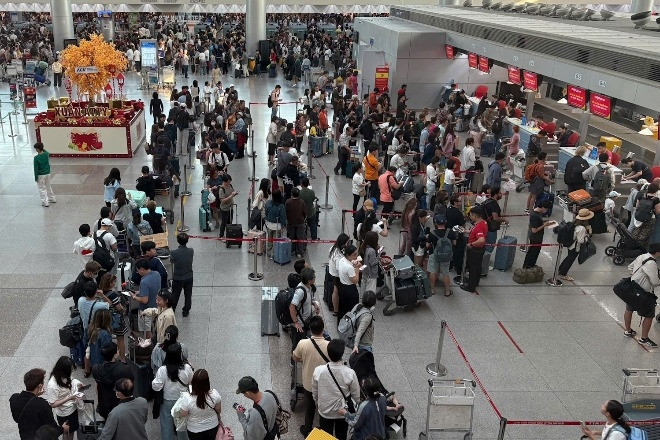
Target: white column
[60,11]
[255,25]
[108,28]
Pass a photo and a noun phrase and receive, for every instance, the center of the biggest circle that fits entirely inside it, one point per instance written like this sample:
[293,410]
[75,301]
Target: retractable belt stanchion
[251,153]
[253,178]
[436,368]
[554,281]
[190,163]
[255,275]
[185,191]
[310,167]
[182,227]
[343,220]
[326,205]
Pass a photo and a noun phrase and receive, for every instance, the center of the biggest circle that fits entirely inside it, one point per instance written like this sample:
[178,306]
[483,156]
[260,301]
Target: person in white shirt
[330,396]
[137,59]
[333,258]
[201,58]
[616,428]
[432,176]
[201,406]
[84,247]
[468,159]
[62,392]
[359,185]
[450,177]
[173,379]
[645,273]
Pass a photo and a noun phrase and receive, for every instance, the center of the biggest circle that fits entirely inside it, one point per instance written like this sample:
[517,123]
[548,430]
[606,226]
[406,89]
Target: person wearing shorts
[439,268]
[146,297]
[539,181]
[645,273]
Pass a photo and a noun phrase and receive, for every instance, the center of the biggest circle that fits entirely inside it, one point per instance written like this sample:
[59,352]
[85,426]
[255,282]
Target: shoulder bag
[350,405]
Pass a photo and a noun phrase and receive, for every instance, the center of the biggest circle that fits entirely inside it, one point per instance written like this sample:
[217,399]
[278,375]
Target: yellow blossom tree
[94,52]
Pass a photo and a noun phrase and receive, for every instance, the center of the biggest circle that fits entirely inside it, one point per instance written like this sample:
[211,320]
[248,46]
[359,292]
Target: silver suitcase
[404,267]
[269,323]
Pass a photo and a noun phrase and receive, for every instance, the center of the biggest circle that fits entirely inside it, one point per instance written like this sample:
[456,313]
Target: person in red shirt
[402,91]
[475,249]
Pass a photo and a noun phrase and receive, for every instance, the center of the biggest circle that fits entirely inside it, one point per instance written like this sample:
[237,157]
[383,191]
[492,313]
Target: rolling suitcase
[598,223]
[485,264]
[330,146]
[234,230]
[91,431]
[77,353]
[316,146]
[261,245]
[282,251]
[269,323]
[422,284]
[233,146]
[405,292]
[350,168]
[505,255]
[143,374]
[139,197]
[272,72]
[487,147]
[204,217]
[174,163]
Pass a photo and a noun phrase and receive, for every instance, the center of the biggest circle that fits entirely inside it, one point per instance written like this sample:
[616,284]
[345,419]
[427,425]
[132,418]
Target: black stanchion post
[310,167]
[254,168]
[252,153]
[185,192]
[255,275]
[500,432]
[326,205]
[182,227]
[343,220]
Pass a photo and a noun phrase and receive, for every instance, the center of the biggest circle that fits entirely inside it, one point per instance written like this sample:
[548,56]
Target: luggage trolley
[169,80]
[407,283]
[450,407]
[641,398]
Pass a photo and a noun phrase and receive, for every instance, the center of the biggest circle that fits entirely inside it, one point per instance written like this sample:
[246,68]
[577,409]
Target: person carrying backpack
[601,178]
[441,242]
[572,238]
[302,306]
[575,166]
[259,422]
[616,428]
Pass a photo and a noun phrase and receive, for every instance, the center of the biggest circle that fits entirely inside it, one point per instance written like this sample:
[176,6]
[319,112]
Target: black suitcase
[406,292]
[234,230]
[598,223]
[143,374]
[93,431]
[174,163]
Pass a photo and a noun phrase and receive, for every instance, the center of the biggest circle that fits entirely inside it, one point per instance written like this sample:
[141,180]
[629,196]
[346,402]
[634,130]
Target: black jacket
[105,375]
[31,413]
[574,168]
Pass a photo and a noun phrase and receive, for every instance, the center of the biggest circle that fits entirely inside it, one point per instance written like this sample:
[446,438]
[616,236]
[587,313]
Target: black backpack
[534,147]
[497,125]
[566,233]
[644,211]
[102,254]
[282,301]
[182,120]
[270,101]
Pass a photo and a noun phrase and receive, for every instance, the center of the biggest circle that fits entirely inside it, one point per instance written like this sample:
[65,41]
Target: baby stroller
[364,366]
[630,245]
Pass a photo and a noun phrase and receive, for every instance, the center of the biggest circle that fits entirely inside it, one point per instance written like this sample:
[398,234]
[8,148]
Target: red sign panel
[530,80]
[382,78]
[449,51]
[473,60]
[483,64]
[576,96]
[30,97]
[514,75]
[601,105]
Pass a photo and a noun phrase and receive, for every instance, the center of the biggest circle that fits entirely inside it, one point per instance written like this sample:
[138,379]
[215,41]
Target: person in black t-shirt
[146,183]
[536,229]
[639,170]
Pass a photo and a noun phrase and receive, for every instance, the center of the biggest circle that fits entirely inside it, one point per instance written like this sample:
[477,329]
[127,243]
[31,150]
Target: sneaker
[185,313]
[630,333]
[466,288]
[647,342]
[52,201]
[45,205]
[526,211]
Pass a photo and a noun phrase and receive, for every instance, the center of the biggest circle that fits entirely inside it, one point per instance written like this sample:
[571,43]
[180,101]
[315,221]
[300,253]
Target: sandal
[566,278]
[450,294]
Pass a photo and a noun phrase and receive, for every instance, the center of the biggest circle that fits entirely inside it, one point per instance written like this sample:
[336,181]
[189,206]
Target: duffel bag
[633,295]
[528,275]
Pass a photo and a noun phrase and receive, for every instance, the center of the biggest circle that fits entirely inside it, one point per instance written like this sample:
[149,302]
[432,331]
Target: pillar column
[529,109]
[255,26]
[60,11]
[108,28]
[583,127]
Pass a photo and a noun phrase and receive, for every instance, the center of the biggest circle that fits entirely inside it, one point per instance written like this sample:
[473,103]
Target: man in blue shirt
[90,304]
[146,297]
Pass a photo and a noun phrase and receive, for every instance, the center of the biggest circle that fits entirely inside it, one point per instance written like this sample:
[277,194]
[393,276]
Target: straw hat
[584,214]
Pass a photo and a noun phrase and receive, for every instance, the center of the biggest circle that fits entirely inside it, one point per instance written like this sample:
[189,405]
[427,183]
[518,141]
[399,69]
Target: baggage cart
[641,399]
[450,407]
[395,273]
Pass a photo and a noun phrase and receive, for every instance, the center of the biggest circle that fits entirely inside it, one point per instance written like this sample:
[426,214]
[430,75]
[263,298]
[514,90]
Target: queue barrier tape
[576,423]
[265,103]
[270,240]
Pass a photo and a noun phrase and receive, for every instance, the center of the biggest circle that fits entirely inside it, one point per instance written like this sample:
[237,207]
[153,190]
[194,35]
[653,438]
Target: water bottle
[524,120]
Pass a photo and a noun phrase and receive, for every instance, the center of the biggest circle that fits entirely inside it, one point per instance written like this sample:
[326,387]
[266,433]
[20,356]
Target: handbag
[587,250]
[68,290]
[224,432]
[180,423]
[350,405]
[631,293]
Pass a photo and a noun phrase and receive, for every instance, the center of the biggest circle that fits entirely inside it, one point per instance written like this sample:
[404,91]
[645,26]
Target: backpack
[635,433]
[281,425]
[530,172]
[389,137]
[408,184]
[644,211]
[566,233]
[443,251]
[72,332]
[496,128]
[395,192]
[601,180]
[182,120]
[270,101]
[348,325]
[282,301]
[102,254]
[534,147]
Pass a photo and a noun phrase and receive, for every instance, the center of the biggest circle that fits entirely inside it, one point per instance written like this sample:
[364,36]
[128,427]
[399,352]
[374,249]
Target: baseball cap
[247,383]
[439,219]
[106,222]
[231,85]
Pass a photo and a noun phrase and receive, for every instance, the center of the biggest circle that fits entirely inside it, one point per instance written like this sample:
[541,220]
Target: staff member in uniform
[349,276]
[476,248]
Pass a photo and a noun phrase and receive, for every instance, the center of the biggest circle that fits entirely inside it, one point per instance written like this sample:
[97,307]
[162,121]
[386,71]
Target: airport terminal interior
[542,356]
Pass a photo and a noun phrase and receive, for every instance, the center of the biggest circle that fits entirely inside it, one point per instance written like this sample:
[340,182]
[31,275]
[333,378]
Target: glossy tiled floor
[569,347]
